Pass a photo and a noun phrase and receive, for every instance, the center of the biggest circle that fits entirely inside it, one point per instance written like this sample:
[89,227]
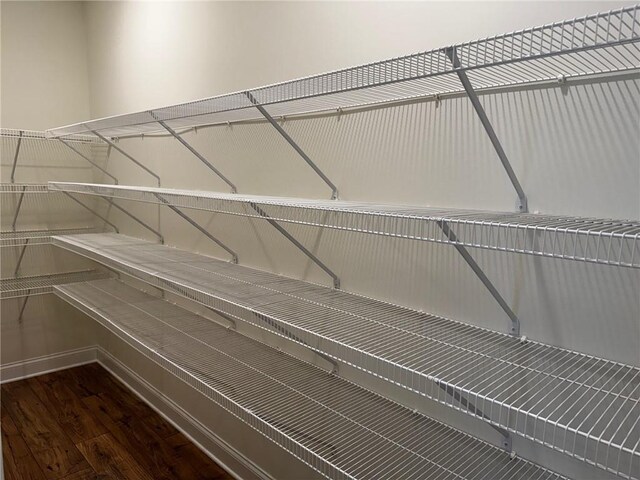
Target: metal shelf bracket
[234,255]
[198,155]
[292,239]
[15,215]
[507,441]
[20,257]
[23,306]
[295,146]
[92,211]
[521,203]
[115,180]
[132,216]
[514,328]
[116,147]
[15,159]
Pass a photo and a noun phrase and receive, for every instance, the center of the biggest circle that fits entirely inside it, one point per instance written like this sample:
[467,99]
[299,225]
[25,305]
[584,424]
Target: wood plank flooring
[82,424]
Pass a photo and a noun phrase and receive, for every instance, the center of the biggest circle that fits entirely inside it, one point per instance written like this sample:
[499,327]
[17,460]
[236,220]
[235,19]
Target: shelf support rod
[295,146]
[91,210]
[515,321]
[131,215]
[115,180]
[475,101]
[198,155]
[15,159]
[234,255]
[24,305]
[466,403]
[22,252]
[292,239]
[15,215]
[116,147]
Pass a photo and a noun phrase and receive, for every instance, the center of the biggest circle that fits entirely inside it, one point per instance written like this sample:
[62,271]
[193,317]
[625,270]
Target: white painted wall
[44,82]
[44,64]
[574,149]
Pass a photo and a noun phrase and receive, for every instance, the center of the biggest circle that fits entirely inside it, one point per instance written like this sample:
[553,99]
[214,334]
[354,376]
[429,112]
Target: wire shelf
[603,241]
[602,43]
[341,430]
[586,407]
[18,188]
[42,284]
[39,237]
[40,135]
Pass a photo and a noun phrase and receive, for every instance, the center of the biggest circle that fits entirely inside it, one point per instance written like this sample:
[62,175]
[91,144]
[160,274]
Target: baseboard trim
[21,370]
[225,455]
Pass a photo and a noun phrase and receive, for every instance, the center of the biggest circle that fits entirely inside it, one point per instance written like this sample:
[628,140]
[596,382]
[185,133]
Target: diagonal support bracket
[15,159]
[464,401]
[115,180]
[295,146]
[92,211]
[15,215]
[234,255]
[514,328]
[292,239]
[116,147]
[198,155]
[132,216]
[475,101]
[23,306]
[20,257]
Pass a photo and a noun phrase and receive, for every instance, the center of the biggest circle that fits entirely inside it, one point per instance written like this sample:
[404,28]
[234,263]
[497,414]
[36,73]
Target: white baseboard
[238,465]
[11,372]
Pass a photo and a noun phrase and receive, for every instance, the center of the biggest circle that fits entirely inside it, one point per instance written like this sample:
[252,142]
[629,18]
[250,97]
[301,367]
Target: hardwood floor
[82,424]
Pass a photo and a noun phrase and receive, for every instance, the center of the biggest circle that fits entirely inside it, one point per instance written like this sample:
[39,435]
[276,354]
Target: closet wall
[573,146]
[44,83]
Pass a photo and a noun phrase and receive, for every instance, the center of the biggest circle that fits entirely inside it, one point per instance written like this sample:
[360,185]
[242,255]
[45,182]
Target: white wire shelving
[19,238]
[18,188]
[604,241]
[341,430]
[586,407]
[42,284]
[595,44]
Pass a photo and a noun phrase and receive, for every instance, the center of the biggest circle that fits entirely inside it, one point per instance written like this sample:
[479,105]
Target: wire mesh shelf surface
[583,406]
[38,237]
[336,427]
[602,43]
[42,284]
[604,241]
[40,135]
[23,188]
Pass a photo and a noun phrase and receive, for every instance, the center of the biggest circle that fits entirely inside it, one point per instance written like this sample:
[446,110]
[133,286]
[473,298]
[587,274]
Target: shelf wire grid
[593,240]
[595,44]
[40,135]
[39,237]
[18,188]
[586,407]
[341,430]
[43,284]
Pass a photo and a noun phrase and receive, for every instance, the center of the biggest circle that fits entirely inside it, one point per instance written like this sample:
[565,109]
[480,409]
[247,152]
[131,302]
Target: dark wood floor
[82,423]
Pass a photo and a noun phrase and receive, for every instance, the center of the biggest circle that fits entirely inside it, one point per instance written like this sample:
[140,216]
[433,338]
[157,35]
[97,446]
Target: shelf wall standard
[583,406]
